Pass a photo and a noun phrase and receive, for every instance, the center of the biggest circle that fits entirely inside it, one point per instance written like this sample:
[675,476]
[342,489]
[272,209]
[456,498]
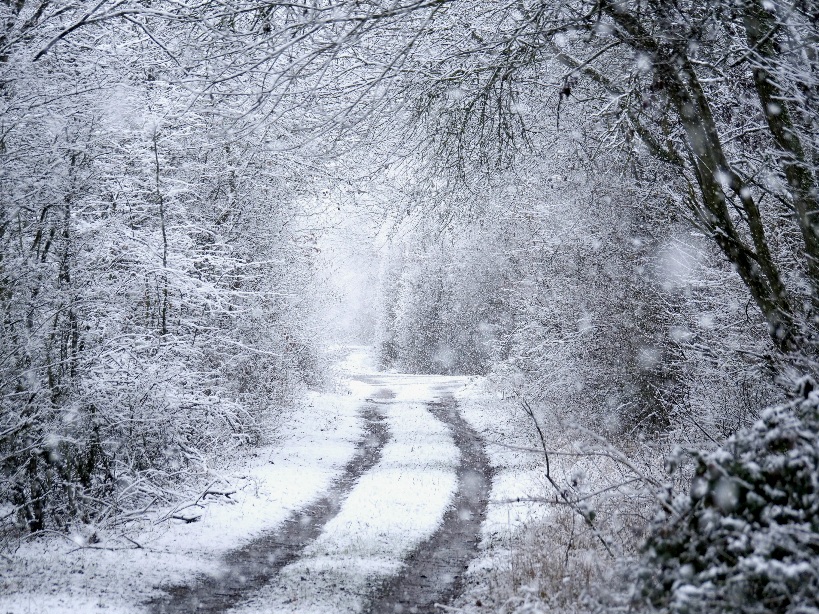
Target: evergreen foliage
[746,536]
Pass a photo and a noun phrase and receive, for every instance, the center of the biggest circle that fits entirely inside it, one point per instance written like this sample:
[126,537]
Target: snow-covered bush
[746,537]
[151,282]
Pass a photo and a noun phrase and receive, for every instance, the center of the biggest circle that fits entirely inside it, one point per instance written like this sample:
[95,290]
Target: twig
[448,608]
[530,412]
[138,545]
[205,492]
[109,548]
[511,446]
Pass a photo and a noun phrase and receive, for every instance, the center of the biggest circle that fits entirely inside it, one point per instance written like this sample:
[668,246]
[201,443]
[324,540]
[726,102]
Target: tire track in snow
[434,571]
[393,508]
[255,564]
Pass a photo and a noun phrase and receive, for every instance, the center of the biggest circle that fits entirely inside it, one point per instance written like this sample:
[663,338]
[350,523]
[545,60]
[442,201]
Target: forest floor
[399,493]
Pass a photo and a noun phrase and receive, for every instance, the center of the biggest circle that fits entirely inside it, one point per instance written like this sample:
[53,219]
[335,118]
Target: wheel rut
[255,564]
[434,572]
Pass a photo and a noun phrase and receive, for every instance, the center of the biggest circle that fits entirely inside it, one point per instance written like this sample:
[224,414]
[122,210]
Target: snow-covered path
[254,564]
[434,572]
[419,503]
[372,502]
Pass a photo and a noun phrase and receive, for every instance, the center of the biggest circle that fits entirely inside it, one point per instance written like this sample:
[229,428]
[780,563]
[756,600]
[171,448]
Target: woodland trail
[253,565]
[286,570]
[434,572]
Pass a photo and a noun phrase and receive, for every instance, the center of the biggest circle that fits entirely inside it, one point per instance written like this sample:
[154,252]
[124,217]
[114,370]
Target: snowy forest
[590,225]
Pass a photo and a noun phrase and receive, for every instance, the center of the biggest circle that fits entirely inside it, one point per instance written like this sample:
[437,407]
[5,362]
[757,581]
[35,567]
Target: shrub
[746,537]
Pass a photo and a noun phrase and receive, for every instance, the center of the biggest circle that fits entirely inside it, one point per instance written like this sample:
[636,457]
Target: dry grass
[560,565]
[558,562]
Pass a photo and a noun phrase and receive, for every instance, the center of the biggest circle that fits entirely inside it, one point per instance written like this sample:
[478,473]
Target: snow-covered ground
[58,574]
[517,480]
[536,556]
[392,508]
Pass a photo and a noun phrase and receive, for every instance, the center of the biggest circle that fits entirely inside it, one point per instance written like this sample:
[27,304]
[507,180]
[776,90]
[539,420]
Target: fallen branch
[448,608]
[186,519]
[211,491]
[175,515]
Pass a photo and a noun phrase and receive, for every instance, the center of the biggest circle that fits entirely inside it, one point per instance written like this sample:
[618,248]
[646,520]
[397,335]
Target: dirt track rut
[434,572]
[252,566]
